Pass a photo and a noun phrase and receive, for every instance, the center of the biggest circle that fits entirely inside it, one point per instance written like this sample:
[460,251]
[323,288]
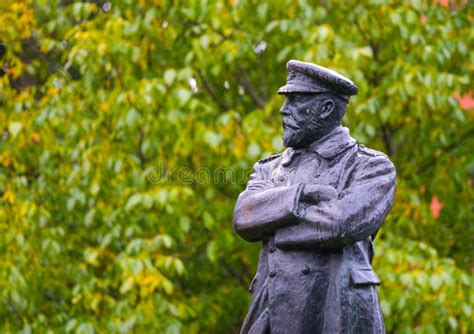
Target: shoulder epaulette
[270,158]
[370,152]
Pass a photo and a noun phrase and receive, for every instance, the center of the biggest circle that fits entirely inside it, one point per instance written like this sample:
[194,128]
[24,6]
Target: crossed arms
[310,216]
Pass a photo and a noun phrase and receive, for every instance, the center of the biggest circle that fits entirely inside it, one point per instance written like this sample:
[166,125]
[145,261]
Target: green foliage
[128,130]
[422,292]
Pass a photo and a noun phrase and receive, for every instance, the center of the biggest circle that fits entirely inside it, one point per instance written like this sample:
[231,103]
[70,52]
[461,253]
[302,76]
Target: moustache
[287,123]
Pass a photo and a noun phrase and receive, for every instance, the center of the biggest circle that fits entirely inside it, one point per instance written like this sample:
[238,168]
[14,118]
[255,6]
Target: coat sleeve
[259,212]
[354,215]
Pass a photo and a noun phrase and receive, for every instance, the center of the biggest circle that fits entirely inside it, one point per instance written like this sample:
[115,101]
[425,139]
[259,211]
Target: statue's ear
[327,108]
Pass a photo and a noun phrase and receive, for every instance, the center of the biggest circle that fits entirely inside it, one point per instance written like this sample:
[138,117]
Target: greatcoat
[314,272]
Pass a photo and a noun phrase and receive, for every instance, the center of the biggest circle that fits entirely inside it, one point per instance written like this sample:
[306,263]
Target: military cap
[311,78]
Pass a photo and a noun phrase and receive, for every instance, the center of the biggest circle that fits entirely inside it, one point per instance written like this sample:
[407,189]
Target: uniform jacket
[314,273]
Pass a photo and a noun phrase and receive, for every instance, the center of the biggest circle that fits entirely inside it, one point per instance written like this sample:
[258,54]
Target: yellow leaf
[9,196]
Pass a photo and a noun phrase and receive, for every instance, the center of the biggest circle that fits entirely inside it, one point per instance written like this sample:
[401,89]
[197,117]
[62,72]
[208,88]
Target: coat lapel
[336,142]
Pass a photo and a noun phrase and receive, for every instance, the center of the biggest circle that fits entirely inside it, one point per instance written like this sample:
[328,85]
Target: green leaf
[211,251]
[133,201]
[14,128]
[169,76]
[126,285]
[212,138]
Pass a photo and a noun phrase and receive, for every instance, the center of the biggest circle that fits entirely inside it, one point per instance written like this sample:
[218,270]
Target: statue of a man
[316,209]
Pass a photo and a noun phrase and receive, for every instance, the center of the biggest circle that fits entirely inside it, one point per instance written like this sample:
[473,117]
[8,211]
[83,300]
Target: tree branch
[140,154]
[447,149]
[239,277]
[16,312]
[211,91]
[387,138]
[245,82]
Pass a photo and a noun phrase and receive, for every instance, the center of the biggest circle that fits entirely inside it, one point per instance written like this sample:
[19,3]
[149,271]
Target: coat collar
[337,141]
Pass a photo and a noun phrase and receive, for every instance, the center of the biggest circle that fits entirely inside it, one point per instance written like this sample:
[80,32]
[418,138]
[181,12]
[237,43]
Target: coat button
[272,249]
[272,273]
[305,270]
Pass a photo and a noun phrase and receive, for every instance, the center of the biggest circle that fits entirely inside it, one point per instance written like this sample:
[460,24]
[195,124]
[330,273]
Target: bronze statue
[316,209]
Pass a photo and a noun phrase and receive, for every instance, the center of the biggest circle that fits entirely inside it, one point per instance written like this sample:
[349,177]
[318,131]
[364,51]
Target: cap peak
[304,77]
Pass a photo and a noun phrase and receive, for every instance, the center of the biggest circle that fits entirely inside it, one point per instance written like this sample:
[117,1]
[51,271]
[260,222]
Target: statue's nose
[285,111]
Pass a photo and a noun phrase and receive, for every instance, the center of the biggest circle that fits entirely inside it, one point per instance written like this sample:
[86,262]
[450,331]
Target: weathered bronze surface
[316,209]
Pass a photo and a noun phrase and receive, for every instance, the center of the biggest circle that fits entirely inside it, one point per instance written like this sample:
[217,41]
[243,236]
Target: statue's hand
[315,193]
[261,185]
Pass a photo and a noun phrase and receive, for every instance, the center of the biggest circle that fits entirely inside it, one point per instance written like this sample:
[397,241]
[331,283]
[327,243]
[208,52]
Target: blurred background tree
[127,130]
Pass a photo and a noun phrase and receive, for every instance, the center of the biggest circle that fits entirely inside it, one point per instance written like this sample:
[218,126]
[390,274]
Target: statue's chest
[308,168]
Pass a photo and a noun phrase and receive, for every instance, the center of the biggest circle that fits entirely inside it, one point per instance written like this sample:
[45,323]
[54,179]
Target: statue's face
[303,118]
